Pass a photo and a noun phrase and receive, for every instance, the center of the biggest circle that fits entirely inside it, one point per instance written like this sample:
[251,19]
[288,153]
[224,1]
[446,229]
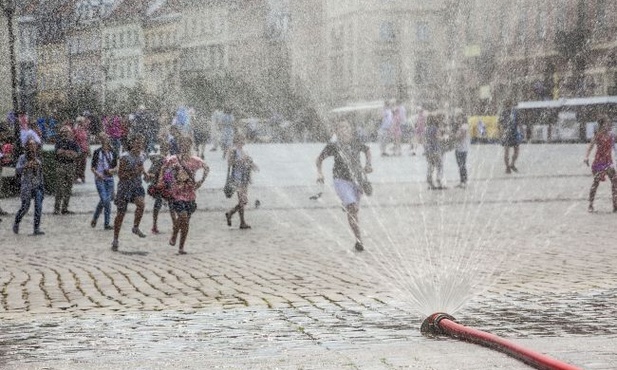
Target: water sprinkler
[442,324]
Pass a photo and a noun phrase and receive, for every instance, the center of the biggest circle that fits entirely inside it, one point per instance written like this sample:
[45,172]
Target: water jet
[442,324]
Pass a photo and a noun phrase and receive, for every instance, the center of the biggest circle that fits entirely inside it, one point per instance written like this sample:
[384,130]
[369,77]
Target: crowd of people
[128,141]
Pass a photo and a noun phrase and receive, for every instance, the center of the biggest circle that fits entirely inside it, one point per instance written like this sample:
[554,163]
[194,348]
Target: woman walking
[130,188]
[104,163]
[602,165]
[241,165]
[30,168]
[462,144]
[183,189]
[347,173]
[433,149]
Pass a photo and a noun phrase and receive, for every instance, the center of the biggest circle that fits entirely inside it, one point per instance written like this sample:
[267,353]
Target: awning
[572,102]
[359,107]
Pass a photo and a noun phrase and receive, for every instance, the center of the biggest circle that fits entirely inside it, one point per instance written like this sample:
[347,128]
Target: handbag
[229,188]
[162,191]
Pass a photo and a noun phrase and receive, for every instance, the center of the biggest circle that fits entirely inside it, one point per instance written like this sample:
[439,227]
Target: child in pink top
[183,189]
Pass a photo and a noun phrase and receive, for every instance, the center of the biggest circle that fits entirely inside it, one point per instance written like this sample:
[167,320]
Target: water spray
[442,324]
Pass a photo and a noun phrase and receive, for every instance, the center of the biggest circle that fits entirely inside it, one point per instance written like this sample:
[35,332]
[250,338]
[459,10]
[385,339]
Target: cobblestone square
[516,255]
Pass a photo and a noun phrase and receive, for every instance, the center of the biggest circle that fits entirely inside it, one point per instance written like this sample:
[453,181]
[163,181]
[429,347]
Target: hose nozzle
[430,326]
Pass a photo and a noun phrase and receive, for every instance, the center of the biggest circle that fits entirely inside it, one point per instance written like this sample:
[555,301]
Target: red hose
[444,324]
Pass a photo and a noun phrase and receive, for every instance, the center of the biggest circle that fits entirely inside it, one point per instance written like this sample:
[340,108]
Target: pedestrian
[348,174]
[384,129]
[399,119]
[183,189]
[130,188]
[215,128]
[82,138]
[420,128]
[241,166]
[433,150]
[67,153]
[200,134]
[113,129]
[30,169]
[511,136]
[155,172]
[602,166]
[104,166]
[461,148]
[227,130]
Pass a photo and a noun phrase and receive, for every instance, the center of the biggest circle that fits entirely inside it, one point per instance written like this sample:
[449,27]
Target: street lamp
[8,7]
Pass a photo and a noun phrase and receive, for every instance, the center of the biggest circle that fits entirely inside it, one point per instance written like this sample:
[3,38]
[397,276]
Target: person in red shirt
[183,189]
[602,166]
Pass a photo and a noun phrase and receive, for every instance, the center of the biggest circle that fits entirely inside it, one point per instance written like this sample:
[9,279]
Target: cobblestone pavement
[516,255]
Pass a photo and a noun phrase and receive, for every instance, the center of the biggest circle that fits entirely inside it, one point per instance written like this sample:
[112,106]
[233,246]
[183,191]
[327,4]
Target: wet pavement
[517,255]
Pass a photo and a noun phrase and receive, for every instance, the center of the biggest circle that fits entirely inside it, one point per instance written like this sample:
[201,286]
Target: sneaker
[181,251]
[107,227]
[590,209]
[114,246]
[38,232]
[138,232]
[56,212]
[514,168]
[16,228]
[359,247]
[93,224]
[155,231]
[3,212]
[67,212]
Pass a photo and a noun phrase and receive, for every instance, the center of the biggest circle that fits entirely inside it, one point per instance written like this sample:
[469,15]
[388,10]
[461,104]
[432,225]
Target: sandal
[138,232]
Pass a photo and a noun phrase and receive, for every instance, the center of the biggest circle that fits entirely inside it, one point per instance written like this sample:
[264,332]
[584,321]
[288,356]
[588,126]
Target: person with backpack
[30,169]
[240,165]
[511,136]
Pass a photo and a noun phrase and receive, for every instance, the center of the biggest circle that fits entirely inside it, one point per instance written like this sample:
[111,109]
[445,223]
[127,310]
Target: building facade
[162,53]
[530,50]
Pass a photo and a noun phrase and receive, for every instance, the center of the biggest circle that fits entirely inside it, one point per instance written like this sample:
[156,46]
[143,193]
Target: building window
[560,17]
[522,26]
[386,31]
[421,72]
[422,32]
[541,19]
[387,73]
[601,14]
